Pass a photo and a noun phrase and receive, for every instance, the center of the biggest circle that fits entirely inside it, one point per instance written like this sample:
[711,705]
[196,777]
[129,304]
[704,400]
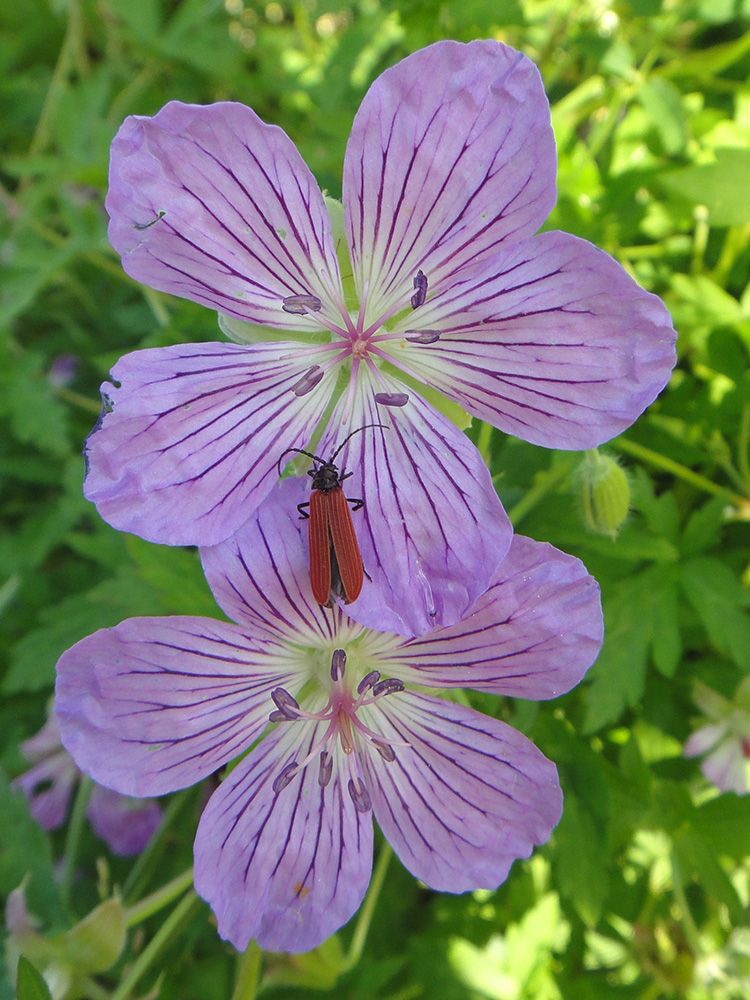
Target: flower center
[339,722]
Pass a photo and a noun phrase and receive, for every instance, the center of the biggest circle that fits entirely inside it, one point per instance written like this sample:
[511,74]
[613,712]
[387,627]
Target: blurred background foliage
[643,890]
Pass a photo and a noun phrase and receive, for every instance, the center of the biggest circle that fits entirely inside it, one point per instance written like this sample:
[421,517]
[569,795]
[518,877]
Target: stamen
[391,398]
[338,664]
[386,752]
[301,305]
[308,381]
[359,795]
[287,705]
[326,768]
[420,283]
[391,685]
[422,336]
[285,777]
[367,681]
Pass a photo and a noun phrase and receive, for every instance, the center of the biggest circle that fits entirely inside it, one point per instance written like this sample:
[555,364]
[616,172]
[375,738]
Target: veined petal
[47,787]
[533,634]
[451,153]
[210,203]
[551,341]
[188,441]
[287,869]
[260,576]
[156,704]
[432,530]
[465,799]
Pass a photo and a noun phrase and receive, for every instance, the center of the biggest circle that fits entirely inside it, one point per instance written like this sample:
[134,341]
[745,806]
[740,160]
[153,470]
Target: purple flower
[444,289]
[725,739]
[125,824]
[283,852]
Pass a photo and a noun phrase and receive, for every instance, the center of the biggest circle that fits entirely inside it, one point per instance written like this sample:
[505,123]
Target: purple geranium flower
[283,852]
[448,173]
[126,824]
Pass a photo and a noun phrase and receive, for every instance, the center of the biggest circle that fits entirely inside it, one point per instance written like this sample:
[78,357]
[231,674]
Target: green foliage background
[643,890]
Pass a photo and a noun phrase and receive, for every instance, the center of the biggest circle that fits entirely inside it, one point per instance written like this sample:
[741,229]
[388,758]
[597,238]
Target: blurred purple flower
[283,851]
[124,823]
[725,740]
[448,173]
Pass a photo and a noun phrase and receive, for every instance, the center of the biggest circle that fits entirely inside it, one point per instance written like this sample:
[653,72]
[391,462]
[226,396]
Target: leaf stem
[676,469]
[368,908]
[248,972]
[73,835]
[159,899]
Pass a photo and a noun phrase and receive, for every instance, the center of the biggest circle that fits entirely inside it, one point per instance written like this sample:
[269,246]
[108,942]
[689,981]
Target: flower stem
[171,926]
[159,899]
[676,469]
[73,836]
[248,971]
[367,909]
[152,852]
[544,482]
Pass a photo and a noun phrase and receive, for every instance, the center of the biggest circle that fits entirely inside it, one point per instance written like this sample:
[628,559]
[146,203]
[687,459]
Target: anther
[308,381]
[287,705]
[326,768]
[422,336]
[392,398]
[385,750]
[285,777]
[367,681]
[391,685]
[300,305]
[338,664]
[359,795]
[420,283]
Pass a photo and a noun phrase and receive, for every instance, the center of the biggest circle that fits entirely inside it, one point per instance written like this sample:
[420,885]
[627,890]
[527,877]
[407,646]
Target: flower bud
[606,493]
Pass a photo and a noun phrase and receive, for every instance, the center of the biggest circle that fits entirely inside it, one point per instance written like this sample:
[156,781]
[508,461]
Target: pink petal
[190,436]
[287,869]
[432,530]
[211,204]
[156,704]
[451,154]
[126,824]
[551,341]
[533,634]
[465,799]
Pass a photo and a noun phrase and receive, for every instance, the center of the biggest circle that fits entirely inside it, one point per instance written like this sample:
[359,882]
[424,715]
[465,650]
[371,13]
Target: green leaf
[724,822]
[30,983]
[720,601]
[697,859]
[663,103]
[25,852]
[582,859]
[720,186]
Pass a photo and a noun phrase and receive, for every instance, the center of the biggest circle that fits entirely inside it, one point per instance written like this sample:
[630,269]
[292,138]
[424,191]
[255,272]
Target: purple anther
[392,398]
[278,717]
[422,336]
[367,681]
[359,795]
[326,768]
[420,283]
[287,705]
[286,776]
[308,381]
[338,664]
[385,750]
[389,686]
[300,305]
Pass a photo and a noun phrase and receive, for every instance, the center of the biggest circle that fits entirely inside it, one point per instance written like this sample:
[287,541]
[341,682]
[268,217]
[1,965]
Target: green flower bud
[605,492]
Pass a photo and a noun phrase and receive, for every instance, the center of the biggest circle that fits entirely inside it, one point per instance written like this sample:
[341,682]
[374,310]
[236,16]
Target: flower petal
[533,634]
[190,436]
[451,153]
[287,869]
[156,704]
[703,739]
[126,824]
[726,767]
[47,787]
[432,531]
[260,576]
[468,797]
[551,341]
[211,204]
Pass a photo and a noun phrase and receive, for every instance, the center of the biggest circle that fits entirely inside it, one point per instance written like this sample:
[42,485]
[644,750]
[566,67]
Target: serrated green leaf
[30,983]
[582,860]
[724,823]
[697,859]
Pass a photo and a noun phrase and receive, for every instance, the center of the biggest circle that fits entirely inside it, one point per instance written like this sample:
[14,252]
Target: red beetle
[336,568]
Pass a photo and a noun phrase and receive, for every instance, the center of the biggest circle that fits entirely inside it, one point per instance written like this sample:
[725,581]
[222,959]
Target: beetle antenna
[362,428]
[300,451]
